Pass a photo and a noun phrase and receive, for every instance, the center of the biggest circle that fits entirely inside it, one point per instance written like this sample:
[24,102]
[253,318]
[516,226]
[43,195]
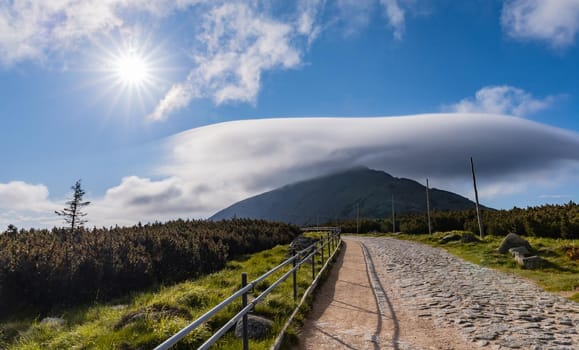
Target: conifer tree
[73,214]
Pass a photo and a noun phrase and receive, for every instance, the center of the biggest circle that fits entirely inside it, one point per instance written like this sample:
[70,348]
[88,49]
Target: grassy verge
[146,319]
[559,273]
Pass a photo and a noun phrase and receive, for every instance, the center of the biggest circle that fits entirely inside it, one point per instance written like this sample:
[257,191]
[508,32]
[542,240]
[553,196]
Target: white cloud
[238,42]
[238,45]
[26,204]
[395,15]
[29,28]
[32,29]
[502,99]
[555,22]
[208,168]
[355,14]
[18,195]
[308,22]
[176,98]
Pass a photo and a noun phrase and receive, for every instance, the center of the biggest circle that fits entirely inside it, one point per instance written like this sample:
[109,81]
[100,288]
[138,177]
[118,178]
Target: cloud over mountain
[208,168]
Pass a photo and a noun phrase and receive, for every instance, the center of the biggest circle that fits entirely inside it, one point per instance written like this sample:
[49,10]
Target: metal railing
[320,229]
[329,243]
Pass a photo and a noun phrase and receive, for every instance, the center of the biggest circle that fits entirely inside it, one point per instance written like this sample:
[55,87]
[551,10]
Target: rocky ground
[488,309]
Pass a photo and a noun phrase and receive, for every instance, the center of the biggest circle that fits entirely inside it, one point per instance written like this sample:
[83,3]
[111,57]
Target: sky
[177,109]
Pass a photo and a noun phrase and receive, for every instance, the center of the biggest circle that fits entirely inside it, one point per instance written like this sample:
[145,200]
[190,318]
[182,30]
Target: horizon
[177,110]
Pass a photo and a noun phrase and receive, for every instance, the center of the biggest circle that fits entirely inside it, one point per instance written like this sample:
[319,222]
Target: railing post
[333,235]
[322,249]
[330,241]
[334,243]
[314,265]
[244,303]
[295,277]
[329,252]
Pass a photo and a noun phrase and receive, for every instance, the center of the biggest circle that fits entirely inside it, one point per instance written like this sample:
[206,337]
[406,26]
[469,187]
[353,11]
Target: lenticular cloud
[259,154]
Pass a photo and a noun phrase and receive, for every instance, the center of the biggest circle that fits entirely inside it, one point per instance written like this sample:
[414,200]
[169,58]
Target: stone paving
[490,308]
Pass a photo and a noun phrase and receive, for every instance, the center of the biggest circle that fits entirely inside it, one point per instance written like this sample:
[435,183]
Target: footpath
[385,293]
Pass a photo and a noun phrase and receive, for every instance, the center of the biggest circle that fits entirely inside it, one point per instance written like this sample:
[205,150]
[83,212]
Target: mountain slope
[336,196]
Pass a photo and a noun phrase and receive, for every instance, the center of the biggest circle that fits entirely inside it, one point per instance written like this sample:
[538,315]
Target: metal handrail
[312,250]
[183,332]
[320,228]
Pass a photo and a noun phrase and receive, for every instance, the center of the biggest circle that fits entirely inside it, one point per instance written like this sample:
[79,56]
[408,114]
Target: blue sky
[134,97]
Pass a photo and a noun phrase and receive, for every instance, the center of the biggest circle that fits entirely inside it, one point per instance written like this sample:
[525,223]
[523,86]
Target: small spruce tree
[73,215]
[11,230]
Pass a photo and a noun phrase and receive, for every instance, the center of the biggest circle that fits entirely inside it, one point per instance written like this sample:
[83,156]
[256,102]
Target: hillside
[335,196]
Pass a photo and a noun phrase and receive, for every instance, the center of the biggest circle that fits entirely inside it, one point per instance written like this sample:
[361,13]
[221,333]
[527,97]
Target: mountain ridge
[339,196]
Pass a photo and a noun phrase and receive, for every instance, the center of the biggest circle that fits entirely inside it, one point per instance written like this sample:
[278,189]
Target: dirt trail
[347,314]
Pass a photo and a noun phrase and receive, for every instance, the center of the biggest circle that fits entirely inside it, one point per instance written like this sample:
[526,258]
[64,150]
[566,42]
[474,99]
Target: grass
[559,274]
[146,319]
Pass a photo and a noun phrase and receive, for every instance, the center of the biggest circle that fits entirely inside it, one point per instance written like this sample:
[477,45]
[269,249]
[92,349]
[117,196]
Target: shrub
[41,269]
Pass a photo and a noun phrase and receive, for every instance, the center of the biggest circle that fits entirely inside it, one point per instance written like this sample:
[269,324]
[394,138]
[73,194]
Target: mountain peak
[338,196]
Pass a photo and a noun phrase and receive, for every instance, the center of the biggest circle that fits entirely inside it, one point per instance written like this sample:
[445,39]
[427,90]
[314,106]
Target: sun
[129,72]
[131,68]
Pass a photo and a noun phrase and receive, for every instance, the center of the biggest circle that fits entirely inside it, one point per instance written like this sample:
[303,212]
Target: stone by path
[390,294]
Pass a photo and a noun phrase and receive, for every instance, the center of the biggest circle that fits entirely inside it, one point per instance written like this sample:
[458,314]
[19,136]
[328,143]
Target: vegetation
[554,221]
[41,270]
[144,320]
[559,273]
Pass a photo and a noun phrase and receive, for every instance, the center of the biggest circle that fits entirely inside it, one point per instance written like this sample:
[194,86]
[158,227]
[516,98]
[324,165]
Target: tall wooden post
[393,217]
[480,227]
[428,207]
[357,217]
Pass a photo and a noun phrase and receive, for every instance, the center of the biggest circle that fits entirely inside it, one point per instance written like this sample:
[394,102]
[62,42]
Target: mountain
[337,196]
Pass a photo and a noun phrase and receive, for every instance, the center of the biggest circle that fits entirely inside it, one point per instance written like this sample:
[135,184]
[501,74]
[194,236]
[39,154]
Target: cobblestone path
[488,309]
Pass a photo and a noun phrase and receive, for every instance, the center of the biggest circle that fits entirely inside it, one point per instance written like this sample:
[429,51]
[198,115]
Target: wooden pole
[393,217]
[480,227]
[428,207]
[357,217]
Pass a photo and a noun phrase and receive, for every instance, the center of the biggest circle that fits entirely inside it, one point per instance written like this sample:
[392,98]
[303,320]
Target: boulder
[512,240]
[450,237]
[257,327]
[522,251]
[530,263]
[469,238]
[154,312]
[52,322]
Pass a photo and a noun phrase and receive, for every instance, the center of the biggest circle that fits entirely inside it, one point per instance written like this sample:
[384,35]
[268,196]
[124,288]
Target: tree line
[43,269]
[555,221]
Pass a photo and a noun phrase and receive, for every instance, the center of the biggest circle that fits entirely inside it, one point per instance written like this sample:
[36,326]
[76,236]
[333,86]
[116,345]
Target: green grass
[106,326]
[559,274]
